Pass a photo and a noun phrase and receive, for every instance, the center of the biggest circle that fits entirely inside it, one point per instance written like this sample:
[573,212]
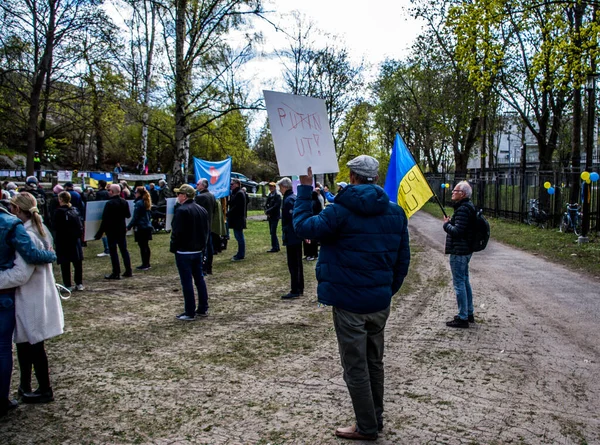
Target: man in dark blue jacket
[189,234]
[292,243]
[363,262]
[459,231]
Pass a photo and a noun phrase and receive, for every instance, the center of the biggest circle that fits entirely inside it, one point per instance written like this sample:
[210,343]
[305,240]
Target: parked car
[251,186]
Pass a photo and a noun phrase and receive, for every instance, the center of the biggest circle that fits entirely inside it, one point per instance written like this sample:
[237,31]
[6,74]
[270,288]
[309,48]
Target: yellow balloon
[447,185]
[585,175]
[588,180]
[547,185]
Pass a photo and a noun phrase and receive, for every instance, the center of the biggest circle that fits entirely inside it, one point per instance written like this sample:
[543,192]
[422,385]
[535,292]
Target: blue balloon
[444,186]
[594,176]
[551,191]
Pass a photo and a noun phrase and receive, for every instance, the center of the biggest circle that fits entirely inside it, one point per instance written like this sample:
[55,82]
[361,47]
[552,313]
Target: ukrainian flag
[95,177]
[405,183]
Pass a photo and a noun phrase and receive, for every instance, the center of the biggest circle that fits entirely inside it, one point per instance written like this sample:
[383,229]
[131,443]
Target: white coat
[37,303]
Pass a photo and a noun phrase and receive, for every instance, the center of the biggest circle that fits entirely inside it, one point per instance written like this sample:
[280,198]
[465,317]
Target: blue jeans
[7,326]
[273,231]
[239,237]
[105,243]
[459,265]
[190,267]
[361,343]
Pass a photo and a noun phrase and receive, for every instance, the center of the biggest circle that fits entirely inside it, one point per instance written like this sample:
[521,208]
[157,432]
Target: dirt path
[264,371]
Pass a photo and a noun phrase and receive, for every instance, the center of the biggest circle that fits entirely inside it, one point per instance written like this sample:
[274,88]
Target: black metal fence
[508,195]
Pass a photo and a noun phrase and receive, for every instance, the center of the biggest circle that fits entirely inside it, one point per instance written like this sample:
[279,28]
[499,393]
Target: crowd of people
[358,236]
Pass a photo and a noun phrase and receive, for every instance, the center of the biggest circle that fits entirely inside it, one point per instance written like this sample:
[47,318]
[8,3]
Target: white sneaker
[103,254]
[80,287]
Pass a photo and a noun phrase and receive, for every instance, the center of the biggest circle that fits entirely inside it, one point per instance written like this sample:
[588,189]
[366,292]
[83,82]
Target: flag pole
[428,185]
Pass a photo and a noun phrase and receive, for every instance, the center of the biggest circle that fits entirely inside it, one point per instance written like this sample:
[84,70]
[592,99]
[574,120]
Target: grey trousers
[360,340]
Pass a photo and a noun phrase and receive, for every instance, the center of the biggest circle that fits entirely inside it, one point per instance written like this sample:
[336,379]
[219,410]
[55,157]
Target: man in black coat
[459,232]
[236,217]
[116,211]
[291,241]
[273,212]
[102,195]
[206,199]
[189,234]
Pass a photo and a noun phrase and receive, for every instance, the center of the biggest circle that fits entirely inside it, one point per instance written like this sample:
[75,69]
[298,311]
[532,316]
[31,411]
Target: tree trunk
[181,95]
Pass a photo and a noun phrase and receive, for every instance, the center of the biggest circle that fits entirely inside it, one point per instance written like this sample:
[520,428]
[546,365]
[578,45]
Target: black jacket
[116,211]
[102,195]
[287,220]
[207,200]
[189,228]
[273,206]
[68,230]
[236,215]
[459,230]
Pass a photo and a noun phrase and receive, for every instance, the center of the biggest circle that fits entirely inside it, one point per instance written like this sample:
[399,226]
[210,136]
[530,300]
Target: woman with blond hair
[68,230]
[39,314]
[142,225]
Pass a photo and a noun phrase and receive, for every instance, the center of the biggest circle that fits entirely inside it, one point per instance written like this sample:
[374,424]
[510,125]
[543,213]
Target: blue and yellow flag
[404,183]
[95,177]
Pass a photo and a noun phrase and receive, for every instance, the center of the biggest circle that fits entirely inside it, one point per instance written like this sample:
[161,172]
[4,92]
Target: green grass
[561,248]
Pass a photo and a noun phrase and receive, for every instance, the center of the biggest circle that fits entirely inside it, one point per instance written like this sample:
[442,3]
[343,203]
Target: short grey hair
[285,182]
[161,183]
[465,187]
[204,182]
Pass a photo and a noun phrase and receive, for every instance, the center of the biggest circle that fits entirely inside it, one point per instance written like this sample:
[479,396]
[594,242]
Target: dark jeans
[294,260]
[361,343]
[33,356]
[239,237]
[120,241]
[65,270]
[105,244]
[273,231]
[190,267]
[7,326]
[144,252]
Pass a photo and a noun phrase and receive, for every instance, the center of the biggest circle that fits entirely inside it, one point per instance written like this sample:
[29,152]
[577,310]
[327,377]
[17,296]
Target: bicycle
[571,220]
[535,215]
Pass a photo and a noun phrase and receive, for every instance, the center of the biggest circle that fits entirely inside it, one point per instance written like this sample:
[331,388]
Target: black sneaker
[202,314]
[128,274]
[38,396]
[470,319]
[112,276]
[143,268]
[289,296]
[458,323]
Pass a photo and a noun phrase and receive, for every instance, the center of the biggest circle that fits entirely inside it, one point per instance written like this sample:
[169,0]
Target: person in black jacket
[189,234]
[116,211]
[236,217]
[68,229]
[273,212]
[102,195]
[291,241]
[458,235]
[206,199]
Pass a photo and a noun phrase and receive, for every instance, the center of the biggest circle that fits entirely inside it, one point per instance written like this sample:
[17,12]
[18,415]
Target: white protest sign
[63,176]
[301,134]
[93,218]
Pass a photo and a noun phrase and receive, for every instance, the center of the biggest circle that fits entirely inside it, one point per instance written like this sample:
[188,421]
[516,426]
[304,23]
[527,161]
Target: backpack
[481,232]
[73,221]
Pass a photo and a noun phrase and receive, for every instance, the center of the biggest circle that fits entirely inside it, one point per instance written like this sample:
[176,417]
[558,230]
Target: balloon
[588,181]
[447,185]
[594,176]
[547,185]
[585,175]
[443,186]
[551,190]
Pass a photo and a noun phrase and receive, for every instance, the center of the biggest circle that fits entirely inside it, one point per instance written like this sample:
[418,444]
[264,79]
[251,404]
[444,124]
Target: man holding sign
[363,262]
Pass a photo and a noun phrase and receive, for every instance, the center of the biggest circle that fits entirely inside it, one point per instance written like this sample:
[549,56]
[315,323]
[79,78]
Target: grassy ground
[558,247]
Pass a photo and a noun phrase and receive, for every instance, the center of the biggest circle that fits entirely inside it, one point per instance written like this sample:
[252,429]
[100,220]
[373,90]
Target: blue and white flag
[218,175]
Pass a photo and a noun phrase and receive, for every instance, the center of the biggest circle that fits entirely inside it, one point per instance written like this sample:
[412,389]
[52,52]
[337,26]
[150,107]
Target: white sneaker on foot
[103,254]
[80,287]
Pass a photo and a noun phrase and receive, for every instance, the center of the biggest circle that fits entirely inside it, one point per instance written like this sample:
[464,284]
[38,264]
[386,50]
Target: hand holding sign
[301,134]
[308,178]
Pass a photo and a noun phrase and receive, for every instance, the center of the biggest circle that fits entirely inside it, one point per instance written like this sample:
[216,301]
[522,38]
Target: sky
[372,31]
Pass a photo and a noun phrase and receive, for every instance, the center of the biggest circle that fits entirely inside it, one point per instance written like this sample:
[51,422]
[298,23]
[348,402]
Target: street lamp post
[590,88]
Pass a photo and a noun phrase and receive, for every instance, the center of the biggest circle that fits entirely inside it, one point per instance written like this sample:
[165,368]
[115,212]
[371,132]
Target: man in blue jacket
[363,261]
